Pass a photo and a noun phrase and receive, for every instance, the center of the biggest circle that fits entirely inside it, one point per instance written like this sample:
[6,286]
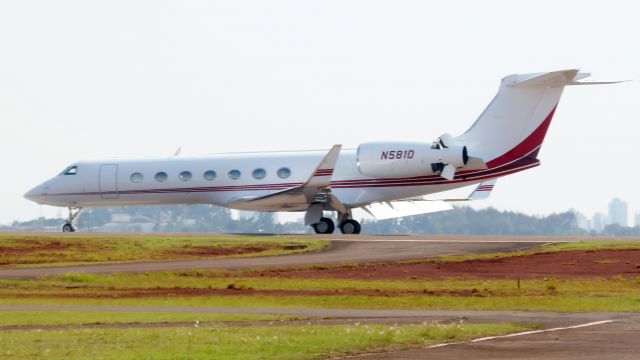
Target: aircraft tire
[68,228]
[324,226]
[350,227]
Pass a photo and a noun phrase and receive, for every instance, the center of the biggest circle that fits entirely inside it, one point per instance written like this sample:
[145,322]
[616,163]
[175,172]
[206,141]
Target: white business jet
[385,179]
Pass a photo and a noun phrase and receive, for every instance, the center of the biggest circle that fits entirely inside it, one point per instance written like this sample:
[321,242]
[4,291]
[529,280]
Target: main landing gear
[347,226]
[324,226]
[69,224]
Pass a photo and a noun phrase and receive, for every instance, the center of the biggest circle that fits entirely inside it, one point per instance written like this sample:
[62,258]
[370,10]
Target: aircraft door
[108,181]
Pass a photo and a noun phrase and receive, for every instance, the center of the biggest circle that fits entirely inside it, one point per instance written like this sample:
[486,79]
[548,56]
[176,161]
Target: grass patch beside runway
[198,290]
[549,248]
[358,287]
[18,250]
[18,318]
[170,284]
[550,303]
[221,342]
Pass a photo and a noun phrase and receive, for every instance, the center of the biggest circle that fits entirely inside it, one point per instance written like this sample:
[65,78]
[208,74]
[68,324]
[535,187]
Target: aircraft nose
[37,194]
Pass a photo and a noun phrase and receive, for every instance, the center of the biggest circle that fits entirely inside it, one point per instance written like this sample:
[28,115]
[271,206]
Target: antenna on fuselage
[177,151]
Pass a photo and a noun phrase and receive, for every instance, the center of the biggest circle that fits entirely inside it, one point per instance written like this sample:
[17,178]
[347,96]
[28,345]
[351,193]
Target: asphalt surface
[342,250]
[615,340]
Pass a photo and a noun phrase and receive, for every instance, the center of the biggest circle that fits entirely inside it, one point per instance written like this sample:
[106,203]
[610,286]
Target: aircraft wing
[416,206]
[299,197]
[394,209]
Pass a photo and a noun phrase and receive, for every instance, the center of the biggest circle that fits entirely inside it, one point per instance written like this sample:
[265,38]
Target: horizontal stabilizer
[483,190]
[395,209]
[596,82]
[555,79]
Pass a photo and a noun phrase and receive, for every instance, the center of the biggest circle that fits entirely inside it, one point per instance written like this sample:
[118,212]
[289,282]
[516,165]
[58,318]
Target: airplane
[385,179]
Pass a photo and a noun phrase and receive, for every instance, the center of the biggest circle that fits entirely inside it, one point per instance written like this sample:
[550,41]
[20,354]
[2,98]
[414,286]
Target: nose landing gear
[69,224]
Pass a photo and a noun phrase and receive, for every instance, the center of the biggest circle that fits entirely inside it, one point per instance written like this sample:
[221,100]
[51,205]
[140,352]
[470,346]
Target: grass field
[46,250]
[254,289]
[29,318]
[611,303]
[612,294]
[222,342]
[546,248]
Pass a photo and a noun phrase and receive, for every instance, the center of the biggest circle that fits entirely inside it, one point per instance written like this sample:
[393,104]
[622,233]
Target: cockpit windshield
[71,170]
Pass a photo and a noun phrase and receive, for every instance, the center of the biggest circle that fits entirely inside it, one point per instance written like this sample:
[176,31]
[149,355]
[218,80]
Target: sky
[95,79]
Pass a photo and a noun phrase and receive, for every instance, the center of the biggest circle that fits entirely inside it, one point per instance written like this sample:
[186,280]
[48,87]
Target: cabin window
[185,176]
[284,173]
[259,173]
[209,175]
[136,177]
[234,174]
[161,176]
[71,170]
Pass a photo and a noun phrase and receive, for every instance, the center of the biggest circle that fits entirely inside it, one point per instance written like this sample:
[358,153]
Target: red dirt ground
[565,264]
[205,251]
[38,252]
[34,246]
[562,265]
[170,292]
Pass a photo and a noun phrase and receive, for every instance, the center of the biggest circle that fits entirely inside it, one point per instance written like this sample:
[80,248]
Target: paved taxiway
[590,341]
[342,250]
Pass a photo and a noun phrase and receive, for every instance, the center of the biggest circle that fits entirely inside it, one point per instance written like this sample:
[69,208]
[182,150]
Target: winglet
[321,177]
[483,190]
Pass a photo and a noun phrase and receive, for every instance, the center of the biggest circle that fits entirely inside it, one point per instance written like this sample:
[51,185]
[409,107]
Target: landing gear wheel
[73,215]
[324,226]
[350,227]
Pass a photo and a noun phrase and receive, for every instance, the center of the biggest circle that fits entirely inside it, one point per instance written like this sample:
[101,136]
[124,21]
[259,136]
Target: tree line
[459,221]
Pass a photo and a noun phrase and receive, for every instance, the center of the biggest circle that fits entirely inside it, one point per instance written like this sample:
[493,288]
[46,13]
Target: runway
[607,340]
[342,250]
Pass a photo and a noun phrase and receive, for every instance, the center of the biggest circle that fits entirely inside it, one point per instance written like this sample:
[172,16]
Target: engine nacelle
[409,159]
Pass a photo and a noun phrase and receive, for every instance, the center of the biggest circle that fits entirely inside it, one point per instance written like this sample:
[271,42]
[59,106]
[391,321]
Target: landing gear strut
[348,226]
[69,224]
[324,226]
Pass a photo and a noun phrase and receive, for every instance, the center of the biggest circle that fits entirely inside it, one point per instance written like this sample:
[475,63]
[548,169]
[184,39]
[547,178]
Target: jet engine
[401,159]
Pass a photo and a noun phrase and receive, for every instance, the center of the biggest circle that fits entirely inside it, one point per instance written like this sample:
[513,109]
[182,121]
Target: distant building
[123,222]
[599,221]
[245,215]
[618,212]
[637,220]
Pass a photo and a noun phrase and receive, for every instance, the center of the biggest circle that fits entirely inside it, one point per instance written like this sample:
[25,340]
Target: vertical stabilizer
[516,121]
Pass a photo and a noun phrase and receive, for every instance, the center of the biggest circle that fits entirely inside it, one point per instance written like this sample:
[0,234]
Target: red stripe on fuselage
[523,156]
